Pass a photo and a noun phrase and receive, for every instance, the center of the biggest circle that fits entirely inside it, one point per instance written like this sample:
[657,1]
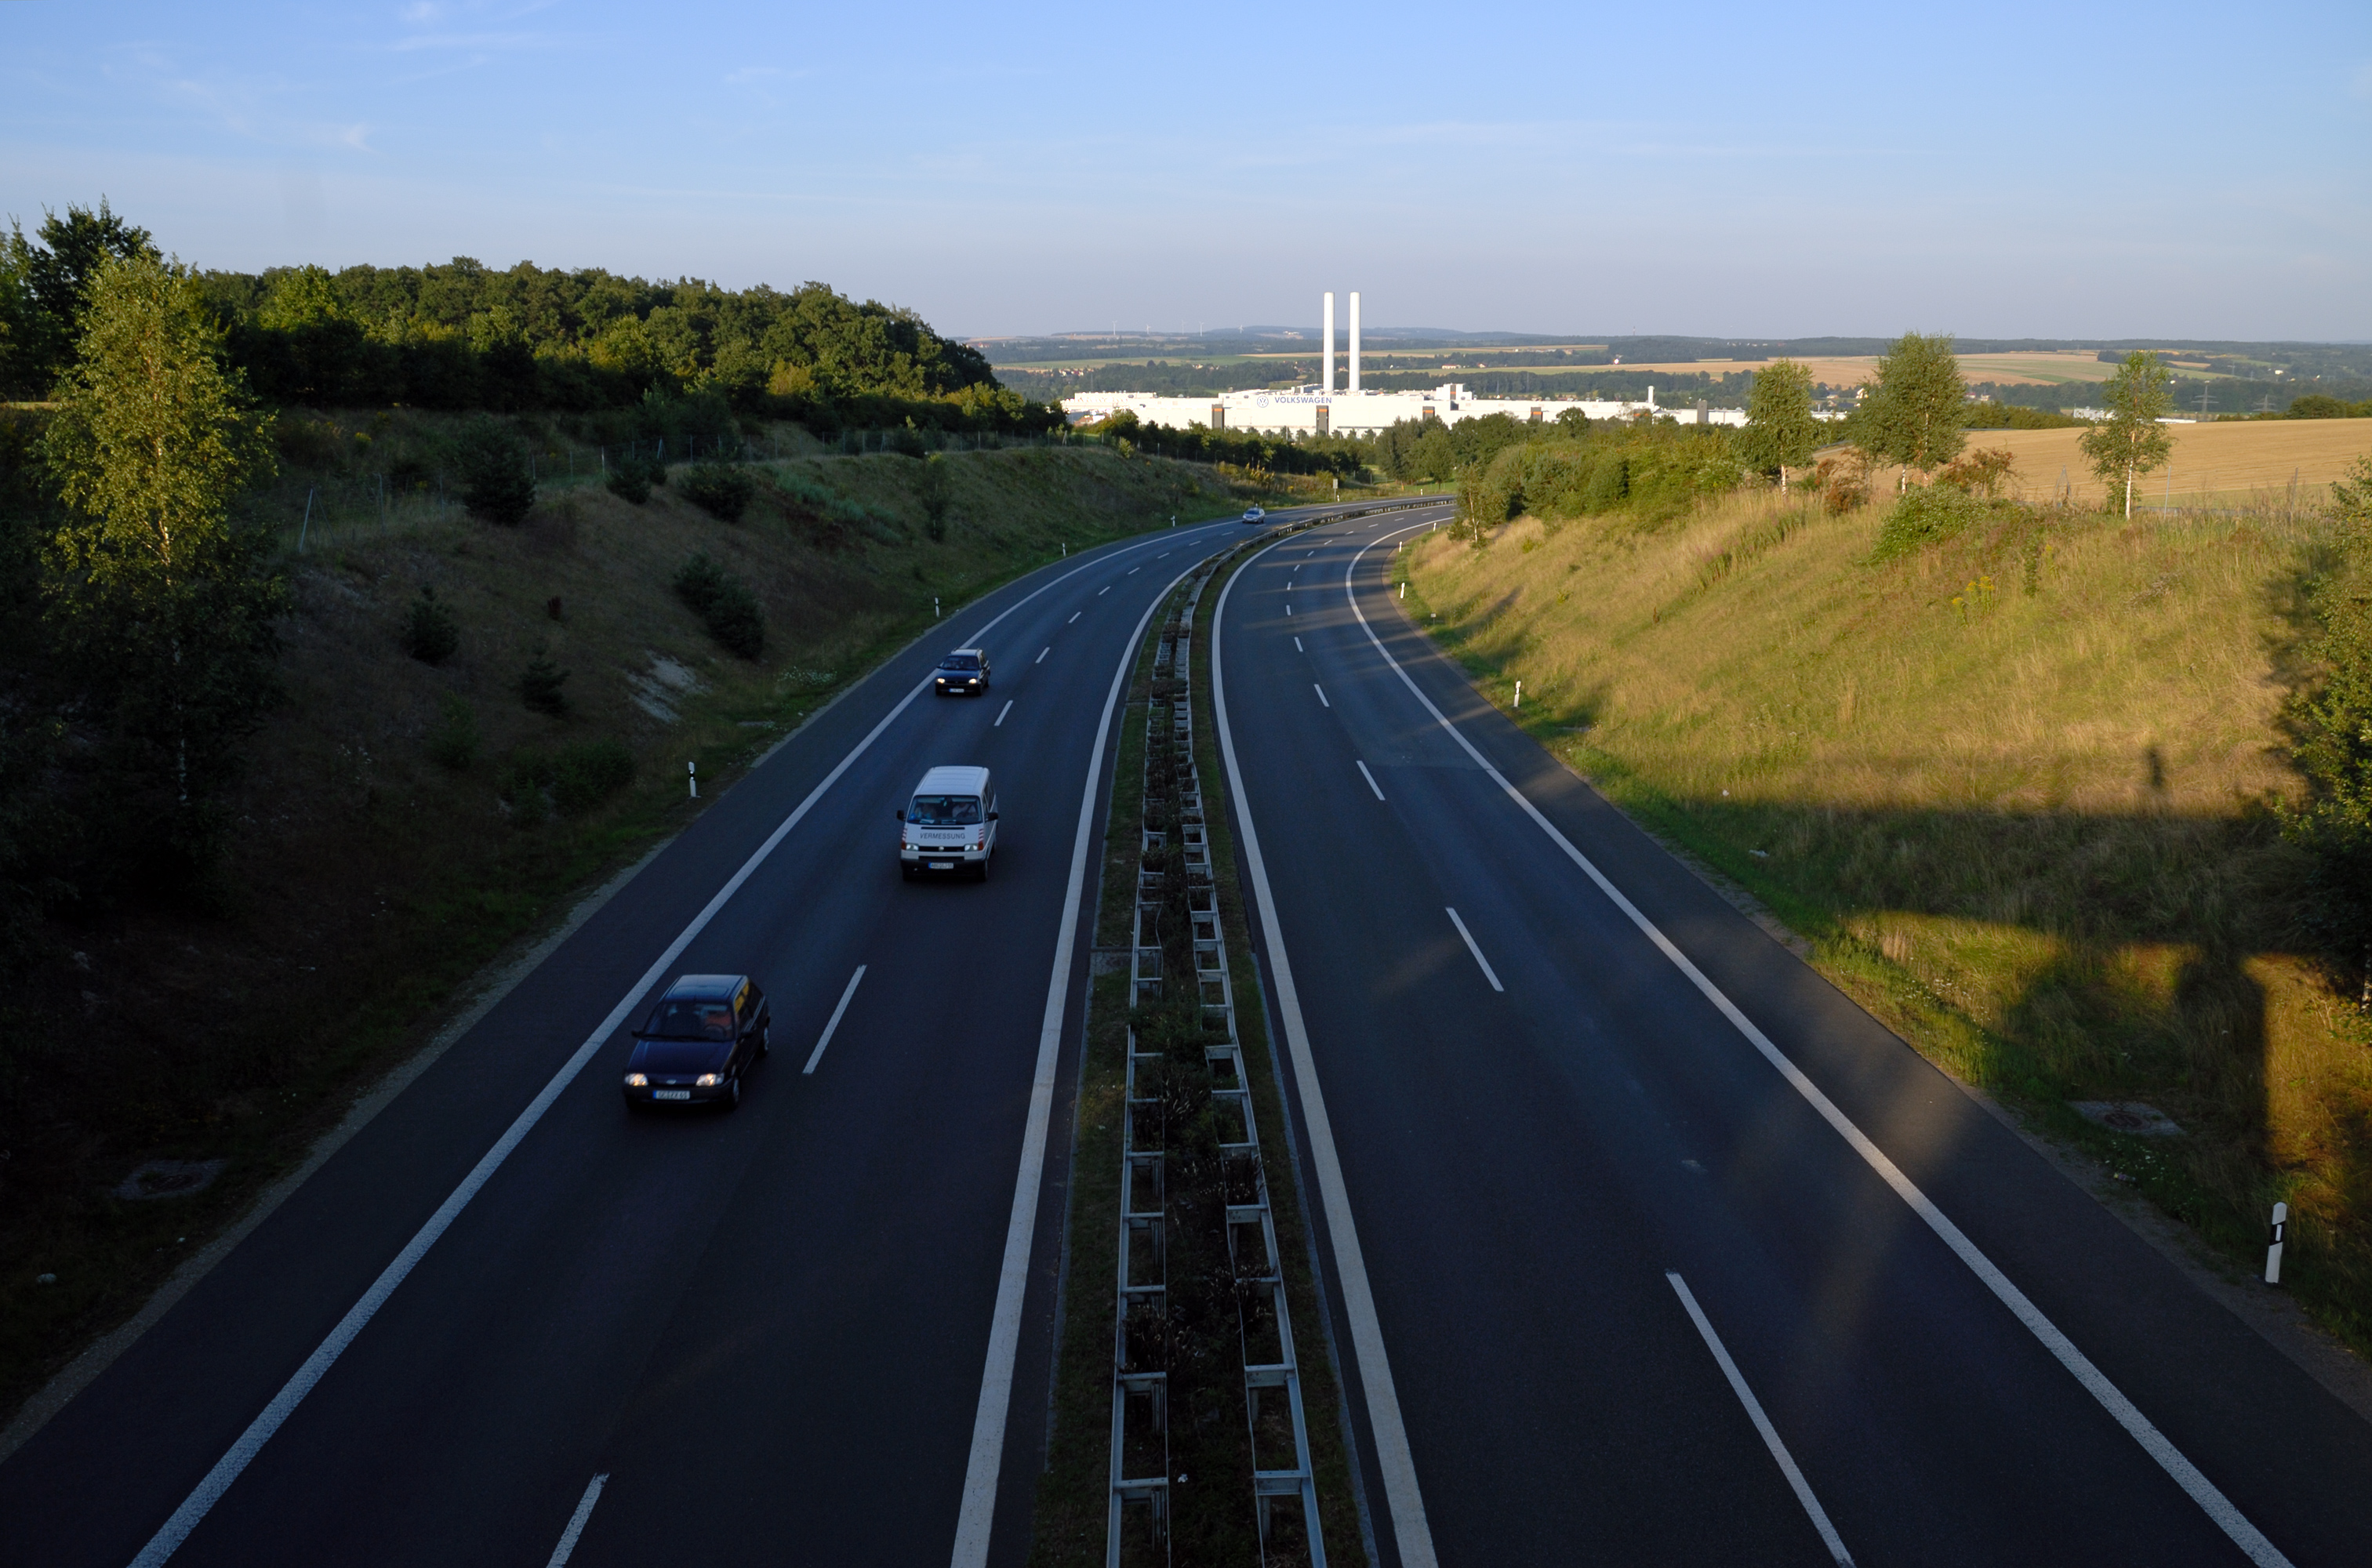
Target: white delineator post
[1329,381]
[1355,339]
[691,776]
[2274,1247]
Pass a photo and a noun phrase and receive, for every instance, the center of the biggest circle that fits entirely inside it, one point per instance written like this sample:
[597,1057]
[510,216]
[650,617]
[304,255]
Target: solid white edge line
[576,1521]
[1322,694]
[988,1459]
[227,1469]
[1828,1537]
[1001,712]
[1370,778]
[2187,1476]
[833,1023]
[1472,946]
[1404,1500]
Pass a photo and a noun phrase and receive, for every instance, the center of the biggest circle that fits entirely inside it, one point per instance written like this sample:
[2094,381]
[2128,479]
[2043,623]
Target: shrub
[932,491]
[1925,515]
[496,484]
[1609,483]
[429,634]
[539,686]
[1843,484]
[454,742]
[1982,470]
[730,611]
[630,481]
[2318,405]
[722,490]
[585,774]
[572,781]
[522,790]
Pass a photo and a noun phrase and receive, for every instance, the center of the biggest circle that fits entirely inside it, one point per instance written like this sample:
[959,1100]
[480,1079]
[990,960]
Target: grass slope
[2012,790]
[369,880]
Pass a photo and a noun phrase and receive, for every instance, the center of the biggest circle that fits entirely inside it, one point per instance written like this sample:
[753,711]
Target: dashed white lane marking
[1403,1499]
[1289,609]
[1105,589]
[576,1523]
[2195,1484]
[1002,711]
[1371,781]
[978,1513]
[1134,570]
[1298,647]
[1075,615]
[825,1039]
[1829,1536]
[1322,694]
[302,1382]
[1488,974]
[1042,653]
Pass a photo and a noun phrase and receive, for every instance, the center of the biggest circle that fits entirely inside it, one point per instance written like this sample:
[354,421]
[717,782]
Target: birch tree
[2131,441]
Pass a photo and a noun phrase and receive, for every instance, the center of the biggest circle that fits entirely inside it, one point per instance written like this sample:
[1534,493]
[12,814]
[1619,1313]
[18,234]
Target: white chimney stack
[1328,386]
[1355,339]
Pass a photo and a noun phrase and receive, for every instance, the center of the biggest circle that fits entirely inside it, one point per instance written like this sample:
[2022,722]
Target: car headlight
[637,1081]
[708,1080]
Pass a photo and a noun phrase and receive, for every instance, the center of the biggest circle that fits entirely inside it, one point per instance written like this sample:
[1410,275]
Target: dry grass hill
[2013,789]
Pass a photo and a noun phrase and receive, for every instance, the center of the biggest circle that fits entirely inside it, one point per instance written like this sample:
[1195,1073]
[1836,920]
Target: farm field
[2222,464]
[2050,367]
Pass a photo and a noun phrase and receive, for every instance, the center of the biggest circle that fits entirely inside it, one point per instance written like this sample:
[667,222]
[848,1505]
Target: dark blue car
[702,1035]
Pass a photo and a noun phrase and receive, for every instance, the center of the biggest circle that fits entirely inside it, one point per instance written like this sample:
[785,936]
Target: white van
[951,823]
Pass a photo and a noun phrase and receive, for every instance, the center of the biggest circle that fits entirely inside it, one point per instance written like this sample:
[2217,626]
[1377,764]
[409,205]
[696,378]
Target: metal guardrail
[1271,1369]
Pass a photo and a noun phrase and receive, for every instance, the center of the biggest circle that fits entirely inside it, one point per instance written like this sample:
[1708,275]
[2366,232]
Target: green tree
[162,599]
[2131,441]
[1780,430]
[322,346]
[52,276]
[1914,414]
[497,485]
[1433,457]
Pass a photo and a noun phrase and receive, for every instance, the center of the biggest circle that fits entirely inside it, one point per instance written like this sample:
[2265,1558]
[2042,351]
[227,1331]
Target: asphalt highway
[775,1335]
[1619,1286]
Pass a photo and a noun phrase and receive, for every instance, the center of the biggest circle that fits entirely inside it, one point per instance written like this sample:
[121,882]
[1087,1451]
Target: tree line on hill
[140,605]
[461,336]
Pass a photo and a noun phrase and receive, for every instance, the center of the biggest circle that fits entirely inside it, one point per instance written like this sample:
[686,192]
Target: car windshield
[693,1017]
[945,810]
[959,661]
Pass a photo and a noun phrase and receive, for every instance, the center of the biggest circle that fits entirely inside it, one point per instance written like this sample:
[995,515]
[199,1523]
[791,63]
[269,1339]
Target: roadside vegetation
[2077,805]
[1213,1516]
[307,715]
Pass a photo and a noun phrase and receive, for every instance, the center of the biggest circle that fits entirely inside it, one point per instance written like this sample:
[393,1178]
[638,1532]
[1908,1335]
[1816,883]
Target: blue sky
[2062,170]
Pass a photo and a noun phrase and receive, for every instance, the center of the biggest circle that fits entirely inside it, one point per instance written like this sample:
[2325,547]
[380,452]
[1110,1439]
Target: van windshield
[945,810]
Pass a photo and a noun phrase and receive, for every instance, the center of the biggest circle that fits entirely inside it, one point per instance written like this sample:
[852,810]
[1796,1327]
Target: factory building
[1322,410]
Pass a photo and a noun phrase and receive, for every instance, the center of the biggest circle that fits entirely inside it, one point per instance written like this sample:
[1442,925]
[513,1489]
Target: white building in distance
[1321,410]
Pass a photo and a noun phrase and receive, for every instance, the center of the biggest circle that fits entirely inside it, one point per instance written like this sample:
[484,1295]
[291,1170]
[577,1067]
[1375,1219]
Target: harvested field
[2224,464]
[2050,367]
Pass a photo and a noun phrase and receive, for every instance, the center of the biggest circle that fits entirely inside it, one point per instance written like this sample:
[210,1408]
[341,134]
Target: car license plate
[671,1094]
[943,866]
